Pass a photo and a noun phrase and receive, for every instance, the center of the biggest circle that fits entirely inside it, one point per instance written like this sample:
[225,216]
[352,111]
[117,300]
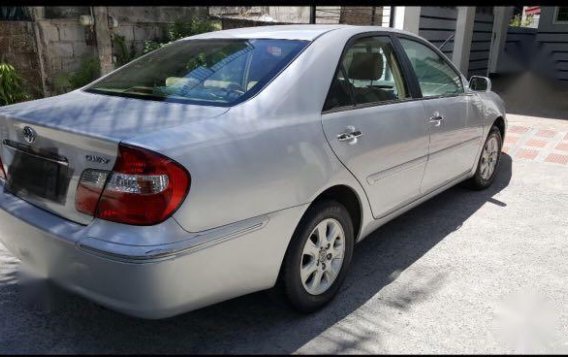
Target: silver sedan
[237,161]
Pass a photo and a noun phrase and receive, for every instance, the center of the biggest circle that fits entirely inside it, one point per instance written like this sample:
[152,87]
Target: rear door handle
[350,134]
[436,119]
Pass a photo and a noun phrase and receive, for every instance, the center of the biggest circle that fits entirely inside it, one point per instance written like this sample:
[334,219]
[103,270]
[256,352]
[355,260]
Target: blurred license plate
[30,175]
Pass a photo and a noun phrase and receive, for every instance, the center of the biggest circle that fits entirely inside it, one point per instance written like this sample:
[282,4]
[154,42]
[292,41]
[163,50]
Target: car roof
[290,32]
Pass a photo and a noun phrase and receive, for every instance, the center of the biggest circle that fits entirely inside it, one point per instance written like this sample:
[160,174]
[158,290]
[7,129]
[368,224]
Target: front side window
[435,76]
[369,72]
[213,72]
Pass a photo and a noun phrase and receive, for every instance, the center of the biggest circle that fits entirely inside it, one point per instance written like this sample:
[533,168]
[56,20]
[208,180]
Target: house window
[561,15]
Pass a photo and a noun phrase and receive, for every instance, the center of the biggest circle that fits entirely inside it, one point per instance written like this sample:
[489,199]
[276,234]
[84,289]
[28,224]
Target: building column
[407,18]
[463,37]
[103,36]
[37,13]
[501,17]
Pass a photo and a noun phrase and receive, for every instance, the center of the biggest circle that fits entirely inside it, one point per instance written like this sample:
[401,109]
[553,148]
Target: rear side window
[368,73]
[435,76]
[339,93]
[219,72]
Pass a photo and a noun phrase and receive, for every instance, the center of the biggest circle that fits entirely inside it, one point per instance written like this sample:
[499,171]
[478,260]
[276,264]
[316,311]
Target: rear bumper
[222,267]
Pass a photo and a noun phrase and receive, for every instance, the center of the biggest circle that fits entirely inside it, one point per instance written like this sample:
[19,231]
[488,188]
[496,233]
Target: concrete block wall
[55,43]
[140,24]
[361,15]
[64,43]
[269,15]
[232,16]
[290,14]
[136,34]
[238,11]
[233,23]
[17,47]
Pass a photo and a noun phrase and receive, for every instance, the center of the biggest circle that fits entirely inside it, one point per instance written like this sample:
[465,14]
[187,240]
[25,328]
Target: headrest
[366,66]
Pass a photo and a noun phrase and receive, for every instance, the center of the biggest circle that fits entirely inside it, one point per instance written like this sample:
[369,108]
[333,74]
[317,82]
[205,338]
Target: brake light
[144,188]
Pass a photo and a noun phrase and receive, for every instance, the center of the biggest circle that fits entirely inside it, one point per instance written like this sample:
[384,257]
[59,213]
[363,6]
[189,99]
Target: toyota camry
[237,161]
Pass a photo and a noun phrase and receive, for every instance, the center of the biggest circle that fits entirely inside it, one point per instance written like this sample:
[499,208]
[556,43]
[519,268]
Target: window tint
[215,72]
[370,72]
[339,93]
[434,75]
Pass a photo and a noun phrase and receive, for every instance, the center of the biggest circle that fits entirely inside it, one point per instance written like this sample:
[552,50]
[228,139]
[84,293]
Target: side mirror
[480,84]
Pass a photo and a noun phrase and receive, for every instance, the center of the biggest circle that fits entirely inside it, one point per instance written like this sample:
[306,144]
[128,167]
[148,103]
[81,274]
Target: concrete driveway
[466,272]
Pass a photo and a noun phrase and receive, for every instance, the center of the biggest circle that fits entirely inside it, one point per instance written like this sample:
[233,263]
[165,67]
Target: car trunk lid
[47,144]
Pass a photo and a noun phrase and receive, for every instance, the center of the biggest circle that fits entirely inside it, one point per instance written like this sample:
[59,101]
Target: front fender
[491,106]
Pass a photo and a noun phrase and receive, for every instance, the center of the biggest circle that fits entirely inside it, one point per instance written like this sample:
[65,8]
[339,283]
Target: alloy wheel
[322,256]
[489,158]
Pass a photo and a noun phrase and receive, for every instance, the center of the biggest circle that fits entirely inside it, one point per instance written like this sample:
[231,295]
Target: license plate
[34,176]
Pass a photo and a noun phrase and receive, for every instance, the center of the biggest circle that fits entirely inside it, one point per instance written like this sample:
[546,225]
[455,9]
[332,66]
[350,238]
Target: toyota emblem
[29,135]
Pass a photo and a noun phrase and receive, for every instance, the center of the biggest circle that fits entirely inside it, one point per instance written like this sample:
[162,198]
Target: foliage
[516,21]
[11,85]
[181,29]
[88,71]
[529,20]
[124,55]
[150,46]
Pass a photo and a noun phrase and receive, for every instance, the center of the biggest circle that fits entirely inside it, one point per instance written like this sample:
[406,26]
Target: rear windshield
[219,72]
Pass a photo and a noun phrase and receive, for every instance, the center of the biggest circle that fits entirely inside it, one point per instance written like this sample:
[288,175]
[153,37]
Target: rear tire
[318,256]
[488,163]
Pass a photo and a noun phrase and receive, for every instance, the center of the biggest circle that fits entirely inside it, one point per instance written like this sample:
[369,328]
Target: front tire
[318,257]
[488,161]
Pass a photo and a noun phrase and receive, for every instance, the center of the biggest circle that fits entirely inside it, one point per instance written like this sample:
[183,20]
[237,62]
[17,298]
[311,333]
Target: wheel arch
[345,195]
[348,198]
[500,123]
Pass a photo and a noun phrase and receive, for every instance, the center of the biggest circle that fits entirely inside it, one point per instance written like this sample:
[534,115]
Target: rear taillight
[2,173]
[144,188]
[89,190]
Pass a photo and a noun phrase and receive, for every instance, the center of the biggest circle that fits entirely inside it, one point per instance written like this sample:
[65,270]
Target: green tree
[517,21]
[11,85]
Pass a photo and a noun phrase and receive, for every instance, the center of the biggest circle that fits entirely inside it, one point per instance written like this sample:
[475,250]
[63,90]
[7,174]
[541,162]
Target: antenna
[443,44]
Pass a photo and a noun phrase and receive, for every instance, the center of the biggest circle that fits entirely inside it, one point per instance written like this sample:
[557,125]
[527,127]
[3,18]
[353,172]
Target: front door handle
[350,134]
[436,119]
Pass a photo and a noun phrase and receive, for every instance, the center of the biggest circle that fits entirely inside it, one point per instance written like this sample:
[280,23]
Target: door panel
[380,136]
[455,130]
[390,157]
[454,140]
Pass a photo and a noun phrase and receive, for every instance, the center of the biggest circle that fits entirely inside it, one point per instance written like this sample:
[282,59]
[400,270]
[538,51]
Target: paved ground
[464,272]
[532,138]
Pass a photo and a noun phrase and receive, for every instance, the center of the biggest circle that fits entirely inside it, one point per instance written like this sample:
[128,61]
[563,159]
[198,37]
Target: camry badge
[29,135]
[97,159]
